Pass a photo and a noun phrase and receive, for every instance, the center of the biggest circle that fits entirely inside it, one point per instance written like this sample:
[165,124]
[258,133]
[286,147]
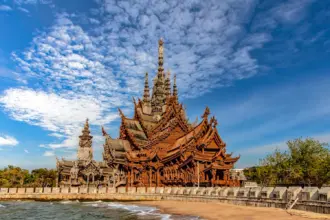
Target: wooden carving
[162,148]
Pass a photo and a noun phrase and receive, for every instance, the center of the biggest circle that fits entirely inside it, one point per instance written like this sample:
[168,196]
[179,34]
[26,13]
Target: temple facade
[159,147]
[84,171]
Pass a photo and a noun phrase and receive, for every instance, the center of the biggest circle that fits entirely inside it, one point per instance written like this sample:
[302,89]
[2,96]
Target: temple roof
[160,129]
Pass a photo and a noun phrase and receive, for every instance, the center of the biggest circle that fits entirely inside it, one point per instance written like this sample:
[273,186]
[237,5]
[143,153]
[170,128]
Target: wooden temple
[84,171]
[159,147]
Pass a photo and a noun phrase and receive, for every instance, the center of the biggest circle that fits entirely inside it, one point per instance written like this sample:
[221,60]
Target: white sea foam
[137,209]
[69,201]
[2,206]
[92,202]
[140,210]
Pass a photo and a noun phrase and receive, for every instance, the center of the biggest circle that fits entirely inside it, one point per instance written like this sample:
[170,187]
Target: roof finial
[175,89]
[168,84]
[146,94]
[86,127]
[160,56]
[121,113]
[206,113]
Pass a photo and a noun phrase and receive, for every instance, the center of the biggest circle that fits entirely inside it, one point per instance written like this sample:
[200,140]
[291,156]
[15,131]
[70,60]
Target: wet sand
[216,211]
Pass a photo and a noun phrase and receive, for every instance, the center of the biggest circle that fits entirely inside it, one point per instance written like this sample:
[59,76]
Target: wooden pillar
[132,177]
[158,178]
[128,178]
[150,176]
[214,173]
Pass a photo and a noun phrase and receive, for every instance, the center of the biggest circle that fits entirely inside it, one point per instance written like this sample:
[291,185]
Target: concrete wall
[29,190]
[310,199]
[21,190]
[83,190]
[39,190]
[13,190]
[102,190]
[74,190]
[47,190]
[65,190]
[3,190]
[92,190]
[112,190]
[56,190]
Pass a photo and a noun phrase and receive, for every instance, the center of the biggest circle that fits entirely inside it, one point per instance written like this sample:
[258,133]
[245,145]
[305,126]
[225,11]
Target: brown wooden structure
[84,171]
[159,147]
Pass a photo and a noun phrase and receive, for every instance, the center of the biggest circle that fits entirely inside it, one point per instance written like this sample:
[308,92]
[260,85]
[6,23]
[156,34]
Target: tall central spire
[160,56]
[158,91]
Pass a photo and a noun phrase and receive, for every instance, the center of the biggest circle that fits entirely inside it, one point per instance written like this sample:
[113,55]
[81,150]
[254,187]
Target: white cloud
[26,151]
[5,8]
[23,10]
[8,141]
[49,153]
[64,117]
[32,2]
[80,72]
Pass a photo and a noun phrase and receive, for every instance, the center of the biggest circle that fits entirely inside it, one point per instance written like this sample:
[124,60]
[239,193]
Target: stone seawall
[309,199]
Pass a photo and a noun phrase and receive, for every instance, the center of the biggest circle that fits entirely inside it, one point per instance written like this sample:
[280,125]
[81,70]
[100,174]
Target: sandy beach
[216,211]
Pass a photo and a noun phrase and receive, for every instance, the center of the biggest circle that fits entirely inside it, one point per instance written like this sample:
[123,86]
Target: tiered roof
[160,131]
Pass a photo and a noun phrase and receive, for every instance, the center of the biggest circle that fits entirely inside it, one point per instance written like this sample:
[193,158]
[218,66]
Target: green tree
[305,162]
[12,176]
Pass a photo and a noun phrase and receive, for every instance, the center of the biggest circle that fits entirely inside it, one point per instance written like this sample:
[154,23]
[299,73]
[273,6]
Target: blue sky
[261,66]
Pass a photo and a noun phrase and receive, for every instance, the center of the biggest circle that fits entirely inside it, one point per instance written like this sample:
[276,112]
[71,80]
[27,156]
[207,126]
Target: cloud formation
[63,117]
[5,8]
[72,70]
[49,154]
[8,141]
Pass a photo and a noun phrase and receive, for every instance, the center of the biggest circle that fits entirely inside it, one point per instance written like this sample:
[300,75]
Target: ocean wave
[140,210]
[92,202]
[2,206]
[69,201]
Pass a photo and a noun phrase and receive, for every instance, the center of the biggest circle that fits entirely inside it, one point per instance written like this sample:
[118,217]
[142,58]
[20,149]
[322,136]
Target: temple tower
[146,96]
[85,151]
[158,91]
[168,84]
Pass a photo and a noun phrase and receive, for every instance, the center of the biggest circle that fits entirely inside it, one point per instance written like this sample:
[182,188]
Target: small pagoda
[84,171]
[159,147]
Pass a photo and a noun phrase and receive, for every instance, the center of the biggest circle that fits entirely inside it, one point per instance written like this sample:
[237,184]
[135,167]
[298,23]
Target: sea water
[71,210]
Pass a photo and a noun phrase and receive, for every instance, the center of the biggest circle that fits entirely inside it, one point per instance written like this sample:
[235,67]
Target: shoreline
[230,205]
[211,210]
[218,210]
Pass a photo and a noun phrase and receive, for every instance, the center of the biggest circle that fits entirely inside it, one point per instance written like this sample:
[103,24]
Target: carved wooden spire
[146,94]
[104,133]
[168,84]
[158,91]
[86,132]
[175,89]
[85,151]
[206,113]
[160,56]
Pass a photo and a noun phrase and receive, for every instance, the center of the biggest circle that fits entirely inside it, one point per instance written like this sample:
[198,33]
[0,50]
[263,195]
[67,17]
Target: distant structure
[159,147]
[238,174]
[84,171]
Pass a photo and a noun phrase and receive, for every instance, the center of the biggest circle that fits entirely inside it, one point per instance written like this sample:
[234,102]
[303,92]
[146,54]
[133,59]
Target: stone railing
[309,198]
[276,193]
